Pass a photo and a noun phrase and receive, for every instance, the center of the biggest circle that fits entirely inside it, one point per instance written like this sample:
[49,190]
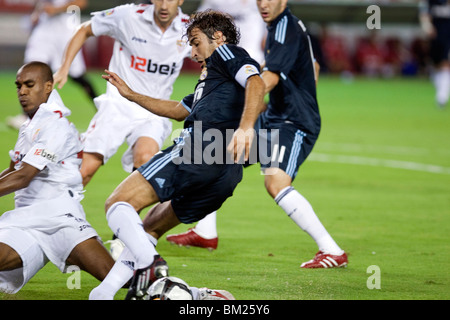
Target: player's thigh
[107,130]
[92,257]
[134,190]
[9,258]
[18,248]
[160,219]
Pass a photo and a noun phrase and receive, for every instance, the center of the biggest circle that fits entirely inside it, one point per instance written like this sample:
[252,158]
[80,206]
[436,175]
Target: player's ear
[48,87]
[219,37]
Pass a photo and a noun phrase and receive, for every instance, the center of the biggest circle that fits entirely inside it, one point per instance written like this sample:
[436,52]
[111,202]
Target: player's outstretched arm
[8,170]
[165,108]
[83,32]
[17,179]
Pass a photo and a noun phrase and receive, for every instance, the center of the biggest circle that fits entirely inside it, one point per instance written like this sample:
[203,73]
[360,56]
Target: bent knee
[143,157]
[143,150]
[276,181]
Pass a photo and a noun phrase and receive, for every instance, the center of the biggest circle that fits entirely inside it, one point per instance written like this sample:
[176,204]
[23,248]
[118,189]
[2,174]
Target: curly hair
[210,21]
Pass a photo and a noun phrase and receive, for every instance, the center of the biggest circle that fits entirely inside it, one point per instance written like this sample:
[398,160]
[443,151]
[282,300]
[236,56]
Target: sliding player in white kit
[149,52]
[48,222]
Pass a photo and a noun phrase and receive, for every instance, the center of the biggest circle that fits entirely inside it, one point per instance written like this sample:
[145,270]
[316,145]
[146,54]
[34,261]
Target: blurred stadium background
[344,44]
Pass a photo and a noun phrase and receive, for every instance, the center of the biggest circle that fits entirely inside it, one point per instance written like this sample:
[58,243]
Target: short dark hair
[46,71]
[210,21]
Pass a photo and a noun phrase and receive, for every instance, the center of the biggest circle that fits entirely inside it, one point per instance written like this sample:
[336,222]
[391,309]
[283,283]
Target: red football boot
[325,260]
[191,238]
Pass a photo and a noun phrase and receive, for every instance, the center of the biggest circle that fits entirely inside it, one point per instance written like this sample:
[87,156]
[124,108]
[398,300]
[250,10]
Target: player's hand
[240,144]
[60,77]
[116,81]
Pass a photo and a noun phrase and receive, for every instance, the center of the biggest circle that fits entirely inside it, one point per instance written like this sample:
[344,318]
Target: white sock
[126,224]
[118,276]
[207,227]
[442,84]
[301,212]
[121,272]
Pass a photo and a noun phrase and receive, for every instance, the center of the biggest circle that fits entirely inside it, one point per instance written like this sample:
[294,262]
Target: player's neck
[163,26]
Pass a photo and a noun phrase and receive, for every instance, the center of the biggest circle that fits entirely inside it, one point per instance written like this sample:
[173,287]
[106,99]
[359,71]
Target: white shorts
[118,120]
[42,232]
[48,42]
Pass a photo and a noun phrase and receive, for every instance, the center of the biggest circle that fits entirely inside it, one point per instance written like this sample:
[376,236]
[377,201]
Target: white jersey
[50,143]
[247,18]
[147,59]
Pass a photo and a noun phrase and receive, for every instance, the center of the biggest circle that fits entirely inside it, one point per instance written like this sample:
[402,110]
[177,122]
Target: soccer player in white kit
[148,52]
[48,222]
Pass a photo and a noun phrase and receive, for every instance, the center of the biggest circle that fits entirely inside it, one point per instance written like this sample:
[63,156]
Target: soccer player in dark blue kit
[290,78]
[292,118]
[228,96]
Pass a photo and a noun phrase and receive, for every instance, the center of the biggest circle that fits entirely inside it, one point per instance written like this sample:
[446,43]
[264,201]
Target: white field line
[396,150]
[375,162]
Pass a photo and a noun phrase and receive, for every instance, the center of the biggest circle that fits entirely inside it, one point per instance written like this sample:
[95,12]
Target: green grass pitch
[378,178]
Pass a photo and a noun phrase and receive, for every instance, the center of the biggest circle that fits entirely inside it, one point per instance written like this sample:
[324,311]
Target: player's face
[166,11]
[32,90]
[202,46]
[270,9]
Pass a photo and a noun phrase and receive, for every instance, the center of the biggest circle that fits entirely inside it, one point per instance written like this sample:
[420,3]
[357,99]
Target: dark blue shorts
[194,190]
[285,146]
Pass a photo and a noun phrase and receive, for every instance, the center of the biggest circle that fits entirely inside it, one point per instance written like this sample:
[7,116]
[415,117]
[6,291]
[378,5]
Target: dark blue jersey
[288,53]
[219,97]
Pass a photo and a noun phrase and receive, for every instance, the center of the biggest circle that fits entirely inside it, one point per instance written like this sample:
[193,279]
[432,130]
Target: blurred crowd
[371,55]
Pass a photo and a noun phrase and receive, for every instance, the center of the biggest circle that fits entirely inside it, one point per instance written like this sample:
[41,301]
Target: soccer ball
[169,288]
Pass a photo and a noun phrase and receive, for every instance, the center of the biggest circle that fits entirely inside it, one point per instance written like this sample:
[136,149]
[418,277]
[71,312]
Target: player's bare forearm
[17,179]
[164,108]
[7,170]
[254,105]
[83,32]
[254,102]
